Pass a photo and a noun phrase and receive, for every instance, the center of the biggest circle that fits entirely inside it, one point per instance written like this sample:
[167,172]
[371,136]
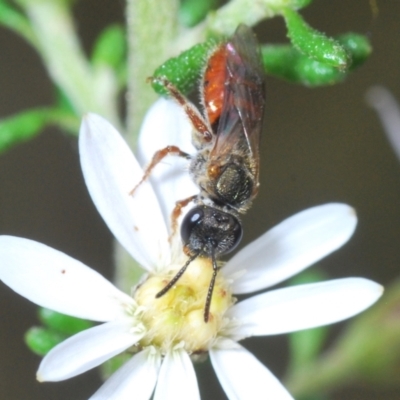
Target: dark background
[320,145]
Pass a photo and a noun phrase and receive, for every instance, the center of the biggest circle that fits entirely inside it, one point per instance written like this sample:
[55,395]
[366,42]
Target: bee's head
[208,230]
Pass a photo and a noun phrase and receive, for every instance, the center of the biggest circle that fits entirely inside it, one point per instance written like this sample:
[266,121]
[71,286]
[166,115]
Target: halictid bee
[226,165]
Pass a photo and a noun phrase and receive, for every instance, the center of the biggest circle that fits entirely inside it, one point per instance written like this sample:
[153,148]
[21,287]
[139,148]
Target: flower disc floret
[178,315]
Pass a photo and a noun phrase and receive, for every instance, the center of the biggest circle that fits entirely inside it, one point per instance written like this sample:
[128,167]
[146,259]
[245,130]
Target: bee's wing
[244,98]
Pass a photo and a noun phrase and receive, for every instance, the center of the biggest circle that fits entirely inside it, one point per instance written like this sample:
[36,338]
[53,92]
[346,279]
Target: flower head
[163,334]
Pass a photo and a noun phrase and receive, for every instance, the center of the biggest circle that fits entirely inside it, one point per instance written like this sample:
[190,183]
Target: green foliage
[306,345]
[57,327]
[27,124]
[313,59]
[21,127]
[41,340]
[358,46]
[184,71]
[110,51]
[191,12]
[288,63]
[371,342]
[313,43]
[63,323]
[110,48]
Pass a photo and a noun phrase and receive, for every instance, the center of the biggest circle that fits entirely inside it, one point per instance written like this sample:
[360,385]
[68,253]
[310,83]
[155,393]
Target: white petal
[292,246]
[134,380]
[88,349]
[304,306]
[177,379]
[54,280]
[389,113]
[111,172]
[166,124]
[243,377]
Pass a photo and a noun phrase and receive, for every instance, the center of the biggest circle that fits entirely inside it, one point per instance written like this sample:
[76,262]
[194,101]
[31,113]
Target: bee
[226,136]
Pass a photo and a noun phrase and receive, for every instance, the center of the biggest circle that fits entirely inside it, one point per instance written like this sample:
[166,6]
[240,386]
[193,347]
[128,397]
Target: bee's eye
[192,218]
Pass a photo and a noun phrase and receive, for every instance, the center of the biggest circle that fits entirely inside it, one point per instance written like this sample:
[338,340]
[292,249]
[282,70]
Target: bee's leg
[176,212]
[158,156]
[203,133]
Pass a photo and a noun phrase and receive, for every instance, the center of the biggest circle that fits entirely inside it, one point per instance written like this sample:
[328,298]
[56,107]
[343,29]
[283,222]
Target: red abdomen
[213,84]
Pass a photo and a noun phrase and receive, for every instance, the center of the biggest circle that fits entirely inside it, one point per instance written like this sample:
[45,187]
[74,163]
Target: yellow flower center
[178,315]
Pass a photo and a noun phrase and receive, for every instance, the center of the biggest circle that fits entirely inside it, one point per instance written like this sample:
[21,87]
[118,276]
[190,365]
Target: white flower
[163,334]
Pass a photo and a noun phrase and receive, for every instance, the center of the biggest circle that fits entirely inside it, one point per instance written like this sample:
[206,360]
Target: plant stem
[152,27]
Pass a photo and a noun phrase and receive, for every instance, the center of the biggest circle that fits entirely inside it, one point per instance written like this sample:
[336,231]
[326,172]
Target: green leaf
[191,12]
[42,340]
[287,63]
[184,71]
[358,46]
[306,345]
[21,127]
[63,323]
[27,124]
[315,44]
[308,276]
[110,47]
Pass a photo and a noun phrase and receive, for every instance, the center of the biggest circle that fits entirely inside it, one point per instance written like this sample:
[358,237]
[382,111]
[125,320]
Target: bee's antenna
[211,287]
[177,276]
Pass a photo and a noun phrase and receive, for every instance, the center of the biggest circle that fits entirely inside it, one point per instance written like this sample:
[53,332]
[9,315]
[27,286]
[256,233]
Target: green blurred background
[319,145]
